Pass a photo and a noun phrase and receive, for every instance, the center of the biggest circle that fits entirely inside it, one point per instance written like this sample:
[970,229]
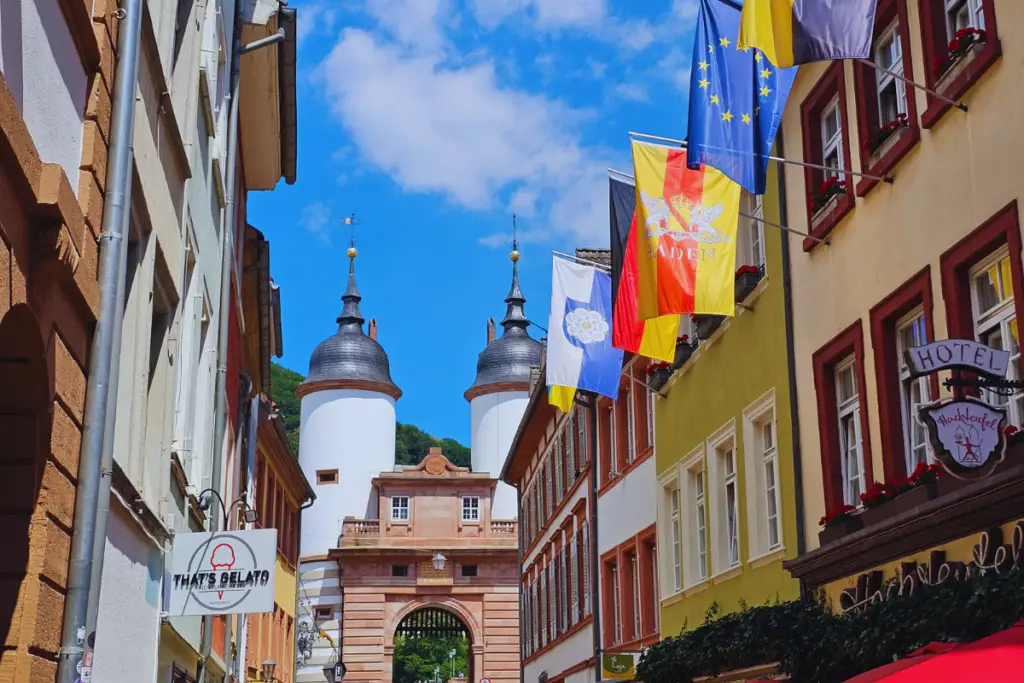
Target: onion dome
[506,361]
[349,356]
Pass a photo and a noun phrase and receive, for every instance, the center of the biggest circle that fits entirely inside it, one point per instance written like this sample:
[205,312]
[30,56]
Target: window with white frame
[400,508]
[630,426]
[676,538]
[963,14]
[753,205]
[761,457]
[699,541]
[832,138]
[581,438]
[914,392]
[649,414]
[892,92]
[471,509]
[657,579]
[616,606]
[850,447]
[574,581]
[995,322]
[634,568]
[727,461]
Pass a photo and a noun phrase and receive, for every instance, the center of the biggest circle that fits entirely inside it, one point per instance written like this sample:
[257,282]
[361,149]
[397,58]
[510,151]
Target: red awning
[996,659]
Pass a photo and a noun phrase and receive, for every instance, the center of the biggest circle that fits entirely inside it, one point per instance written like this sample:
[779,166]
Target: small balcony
[498,533]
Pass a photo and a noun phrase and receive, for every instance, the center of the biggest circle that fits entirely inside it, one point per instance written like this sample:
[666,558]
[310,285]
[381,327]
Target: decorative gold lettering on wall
[426,574]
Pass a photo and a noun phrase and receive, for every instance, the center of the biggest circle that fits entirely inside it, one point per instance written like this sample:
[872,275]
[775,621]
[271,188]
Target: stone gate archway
[431,618]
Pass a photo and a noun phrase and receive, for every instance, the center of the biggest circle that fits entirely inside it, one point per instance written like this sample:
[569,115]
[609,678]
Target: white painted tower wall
[352,431]
[494,420]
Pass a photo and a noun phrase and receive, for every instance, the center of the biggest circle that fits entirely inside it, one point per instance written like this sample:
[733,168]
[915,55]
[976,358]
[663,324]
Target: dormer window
[400,508]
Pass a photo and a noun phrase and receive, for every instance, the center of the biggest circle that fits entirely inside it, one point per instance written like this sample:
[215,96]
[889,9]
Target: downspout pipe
[106,338]
[794,414]
[229,227]
[519,580]
[243,416]
[595,598]
[226,240]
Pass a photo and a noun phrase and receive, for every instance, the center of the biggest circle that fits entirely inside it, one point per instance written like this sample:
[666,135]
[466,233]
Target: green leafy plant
[812,644]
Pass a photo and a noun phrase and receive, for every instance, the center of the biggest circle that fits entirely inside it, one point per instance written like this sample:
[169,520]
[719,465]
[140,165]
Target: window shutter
[574,583]
[585,562]
[570,450]
[552,601]
[543,607]
[564,589]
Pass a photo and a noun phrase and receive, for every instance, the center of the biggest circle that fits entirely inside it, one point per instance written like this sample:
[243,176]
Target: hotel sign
[966,435]
[957,354]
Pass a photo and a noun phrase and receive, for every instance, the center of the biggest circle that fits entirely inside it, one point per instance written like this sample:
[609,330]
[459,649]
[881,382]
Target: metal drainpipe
[106,337]
[244,415]
[519,581]
[228,228]
[794,414]
[298,579]
[595,600]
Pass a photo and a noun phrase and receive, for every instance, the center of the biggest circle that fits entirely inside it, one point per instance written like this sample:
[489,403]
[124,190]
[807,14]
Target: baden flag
[580,354]
[736,99]
[686,235]
[653,338]
[792,32]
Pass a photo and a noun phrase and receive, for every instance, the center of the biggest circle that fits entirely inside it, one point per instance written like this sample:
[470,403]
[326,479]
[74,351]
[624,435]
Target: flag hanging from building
[686,235]
[580,354]
[653,338]
[792,32]
[736,99]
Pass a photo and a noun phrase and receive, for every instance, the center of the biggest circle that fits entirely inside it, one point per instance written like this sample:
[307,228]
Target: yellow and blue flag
[793,32]
[580,352]
[736,99]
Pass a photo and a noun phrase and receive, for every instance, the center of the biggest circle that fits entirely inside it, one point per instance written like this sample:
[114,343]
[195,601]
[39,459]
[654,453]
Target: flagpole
[582,260]
[959,105]
[819,240]
[682,143]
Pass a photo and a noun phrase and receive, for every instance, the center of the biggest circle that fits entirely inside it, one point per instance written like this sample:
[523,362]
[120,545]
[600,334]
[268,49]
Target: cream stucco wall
[963,171]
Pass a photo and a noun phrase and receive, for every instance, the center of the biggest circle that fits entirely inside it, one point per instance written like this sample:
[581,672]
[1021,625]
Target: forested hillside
[411,443]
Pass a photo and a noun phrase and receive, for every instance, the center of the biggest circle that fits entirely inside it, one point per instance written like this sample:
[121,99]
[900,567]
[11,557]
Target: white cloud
[631,92]
[413,23]
[548,14]
[315,18]
[457,132]
[685,9]
[675,66]
[316,218]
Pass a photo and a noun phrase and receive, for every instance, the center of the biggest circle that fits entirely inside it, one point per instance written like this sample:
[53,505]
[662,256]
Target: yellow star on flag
[714,99]
[766,73]
[765,90]
[723,41]
[703,66]
[757,56]
[703,83]
[745,48]
[711,49]
[727,116]
[745,118]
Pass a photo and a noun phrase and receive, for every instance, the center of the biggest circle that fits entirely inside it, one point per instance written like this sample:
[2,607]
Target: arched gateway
[433,564]
[431,643]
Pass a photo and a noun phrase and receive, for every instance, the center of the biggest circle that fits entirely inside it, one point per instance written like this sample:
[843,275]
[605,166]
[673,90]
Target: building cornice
[307,388]
[496,388]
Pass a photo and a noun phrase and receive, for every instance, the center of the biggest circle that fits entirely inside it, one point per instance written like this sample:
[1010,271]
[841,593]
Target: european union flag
[736,99]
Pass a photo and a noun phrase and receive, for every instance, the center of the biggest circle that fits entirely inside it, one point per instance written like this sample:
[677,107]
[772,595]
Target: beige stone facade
[387,571]
[48,304]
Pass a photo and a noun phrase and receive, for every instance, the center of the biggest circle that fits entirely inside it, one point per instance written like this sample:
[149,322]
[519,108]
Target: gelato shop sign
[229,572]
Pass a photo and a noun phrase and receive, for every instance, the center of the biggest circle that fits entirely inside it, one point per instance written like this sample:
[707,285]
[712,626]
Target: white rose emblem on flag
[586,325]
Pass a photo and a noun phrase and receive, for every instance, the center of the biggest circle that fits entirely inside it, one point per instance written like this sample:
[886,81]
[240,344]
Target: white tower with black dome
[347,431]
[499,395]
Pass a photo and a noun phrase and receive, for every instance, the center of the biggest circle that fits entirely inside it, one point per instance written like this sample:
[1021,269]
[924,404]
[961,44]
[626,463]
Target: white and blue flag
[580,352]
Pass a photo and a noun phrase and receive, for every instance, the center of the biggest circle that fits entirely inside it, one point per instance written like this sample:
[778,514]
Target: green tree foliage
[416,658]
[283,382]
[411,443]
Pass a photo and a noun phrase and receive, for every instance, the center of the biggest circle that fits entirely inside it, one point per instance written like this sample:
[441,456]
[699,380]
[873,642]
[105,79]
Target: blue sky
[434,121]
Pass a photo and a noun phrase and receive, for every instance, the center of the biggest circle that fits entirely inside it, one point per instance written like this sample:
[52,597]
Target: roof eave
[287,87]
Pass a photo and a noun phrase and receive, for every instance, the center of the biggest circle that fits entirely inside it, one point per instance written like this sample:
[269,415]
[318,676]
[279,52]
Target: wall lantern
[438,561]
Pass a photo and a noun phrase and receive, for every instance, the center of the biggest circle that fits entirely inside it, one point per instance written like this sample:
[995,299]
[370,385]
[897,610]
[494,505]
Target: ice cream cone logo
[223,557]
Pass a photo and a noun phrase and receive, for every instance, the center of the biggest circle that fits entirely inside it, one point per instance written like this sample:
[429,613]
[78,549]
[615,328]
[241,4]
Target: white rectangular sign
[228,572]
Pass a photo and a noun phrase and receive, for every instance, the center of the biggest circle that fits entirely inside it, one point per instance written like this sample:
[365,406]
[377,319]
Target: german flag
[686,235]
[655,338]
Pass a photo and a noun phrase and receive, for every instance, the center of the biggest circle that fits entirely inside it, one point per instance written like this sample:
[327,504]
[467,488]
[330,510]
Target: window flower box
[839,522]
[684,349]
[747,278]
[658,375]
[885,138]
[961,50]
[707,324]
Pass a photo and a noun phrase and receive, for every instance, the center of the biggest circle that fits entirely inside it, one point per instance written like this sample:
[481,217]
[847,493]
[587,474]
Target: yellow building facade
[727,514]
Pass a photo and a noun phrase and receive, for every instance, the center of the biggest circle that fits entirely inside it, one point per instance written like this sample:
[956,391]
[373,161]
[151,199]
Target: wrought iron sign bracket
[997,385]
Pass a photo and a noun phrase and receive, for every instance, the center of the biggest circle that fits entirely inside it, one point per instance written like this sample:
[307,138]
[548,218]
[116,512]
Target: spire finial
[515,242]
[515,319]
[350,314]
